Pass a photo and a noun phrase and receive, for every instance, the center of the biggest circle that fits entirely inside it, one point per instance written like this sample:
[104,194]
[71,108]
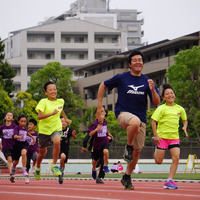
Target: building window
[132,28]
[63,56]
[98,39]
[81,56]
[48,56]
[114,39]
[67,39]
[30,56]
[47,39]
[79,39]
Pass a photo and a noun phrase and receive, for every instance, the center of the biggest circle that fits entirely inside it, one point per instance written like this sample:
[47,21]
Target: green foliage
[89,116]
[6,104]
[28,105]
[184,76]
[62,78]
[6,72]
[114,127]
[149,132]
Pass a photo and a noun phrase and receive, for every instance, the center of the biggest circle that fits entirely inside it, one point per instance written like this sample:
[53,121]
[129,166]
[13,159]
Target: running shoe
[13,170]
[12,179]
[27,180]
[37,173]
[94,174]
[106,170]
[55,170]
[170,185]
[25,173]
[128,153]
[127,183]
[99,181]
[60,177]
[33,169]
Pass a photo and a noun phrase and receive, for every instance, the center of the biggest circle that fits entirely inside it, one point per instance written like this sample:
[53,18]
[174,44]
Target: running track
[88,189]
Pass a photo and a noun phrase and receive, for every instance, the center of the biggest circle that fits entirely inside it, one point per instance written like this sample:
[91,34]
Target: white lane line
[56,195]
[114,191]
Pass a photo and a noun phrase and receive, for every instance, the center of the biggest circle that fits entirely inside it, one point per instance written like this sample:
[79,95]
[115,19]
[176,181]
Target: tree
[6,104]
[62,78]
[28,107]
[6,72]
[184,76]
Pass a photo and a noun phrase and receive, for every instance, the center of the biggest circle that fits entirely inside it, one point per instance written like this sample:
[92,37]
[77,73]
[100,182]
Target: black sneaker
[127,183]
[99,181]
[128,153]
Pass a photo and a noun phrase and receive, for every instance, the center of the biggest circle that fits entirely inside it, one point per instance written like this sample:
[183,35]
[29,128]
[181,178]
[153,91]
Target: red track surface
[88,189]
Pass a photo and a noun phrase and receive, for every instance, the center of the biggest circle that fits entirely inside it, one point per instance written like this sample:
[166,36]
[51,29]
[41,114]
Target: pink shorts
[168,144]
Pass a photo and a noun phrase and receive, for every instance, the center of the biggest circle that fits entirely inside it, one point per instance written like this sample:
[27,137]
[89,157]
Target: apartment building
[98,11]
[158,58]
[71,42]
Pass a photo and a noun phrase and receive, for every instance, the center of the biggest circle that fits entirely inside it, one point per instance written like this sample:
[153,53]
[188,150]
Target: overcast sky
[163,19]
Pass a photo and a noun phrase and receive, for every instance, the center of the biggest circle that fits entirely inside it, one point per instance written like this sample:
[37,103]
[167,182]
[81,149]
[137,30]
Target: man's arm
[101,91]
[155,96]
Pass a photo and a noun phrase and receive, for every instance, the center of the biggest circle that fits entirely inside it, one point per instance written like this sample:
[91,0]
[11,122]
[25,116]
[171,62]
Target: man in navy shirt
[130,110]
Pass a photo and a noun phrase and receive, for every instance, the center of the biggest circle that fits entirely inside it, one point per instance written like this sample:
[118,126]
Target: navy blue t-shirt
[132,93]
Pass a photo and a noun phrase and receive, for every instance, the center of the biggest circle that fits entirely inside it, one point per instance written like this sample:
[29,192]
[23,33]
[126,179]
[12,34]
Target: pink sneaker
[172,182]
[24,172]
[170,185]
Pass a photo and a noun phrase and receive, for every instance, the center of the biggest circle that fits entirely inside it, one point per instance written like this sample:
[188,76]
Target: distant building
[98,11]
[158,57]
[71,42]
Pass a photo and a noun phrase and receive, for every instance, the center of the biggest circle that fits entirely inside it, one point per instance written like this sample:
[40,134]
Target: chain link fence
[117,149]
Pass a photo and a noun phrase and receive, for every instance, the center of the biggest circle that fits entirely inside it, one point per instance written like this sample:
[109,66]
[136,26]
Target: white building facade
[72,42]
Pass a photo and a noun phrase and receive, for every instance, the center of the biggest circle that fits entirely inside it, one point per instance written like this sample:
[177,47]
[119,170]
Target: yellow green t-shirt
[168,120]
[51,124]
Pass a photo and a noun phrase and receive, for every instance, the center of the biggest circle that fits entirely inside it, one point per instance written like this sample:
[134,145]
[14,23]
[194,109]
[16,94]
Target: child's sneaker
[60,178]
[24,172]
[12,179]
[128,153]
[33,169]
[127,183]
[170,185]
[55,170]
[106,170]
[13,170]
[37,173]
[94,174]
[27,180]
[99,181]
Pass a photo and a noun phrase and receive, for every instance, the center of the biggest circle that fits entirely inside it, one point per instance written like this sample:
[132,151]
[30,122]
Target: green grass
[178,176]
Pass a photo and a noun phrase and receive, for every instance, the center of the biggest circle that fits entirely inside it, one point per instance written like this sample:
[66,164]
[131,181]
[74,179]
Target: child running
[7,142]
[21,145]
[67,133]
[49,110]
[166,133]
[33,148]
[100,135]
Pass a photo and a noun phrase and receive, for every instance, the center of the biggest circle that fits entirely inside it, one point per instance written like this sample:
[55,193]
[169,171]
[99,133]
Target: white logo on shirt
[135,88]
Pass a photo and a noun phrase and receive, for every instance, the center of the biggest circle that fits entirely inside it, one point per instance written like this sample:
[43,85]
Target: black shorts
[18,146]
[64,149]
[7,152]
[114,170]
[98,153]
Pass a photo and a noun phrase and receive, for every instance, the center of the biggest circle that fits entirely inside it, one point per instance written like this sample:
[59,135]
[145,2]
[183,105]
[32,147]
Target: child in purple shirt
[21,145]
[7,134]
[33,148]
[100,135]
